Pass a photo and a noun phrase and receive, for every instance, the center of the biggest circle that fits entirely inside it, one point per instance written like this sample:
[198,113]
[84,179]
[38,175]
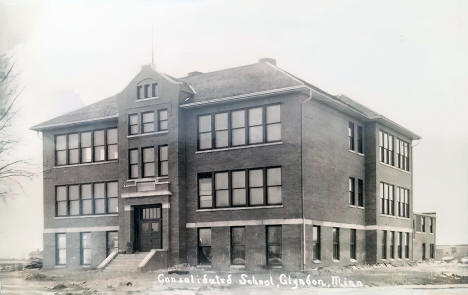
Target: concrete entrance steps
[126,262]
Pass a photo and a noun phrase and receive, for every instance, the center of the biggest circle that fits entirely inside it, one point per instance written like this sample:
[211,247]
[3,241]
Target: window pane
[163,115]
[99,190]
[99,153]
[206,202]
[148,155]
[61,193]
[204,237]
[221,121]
[204,123]
[86,191]
[256,134]
[73,191]
[256,177]
[273,114]
[113,205]
[274,176]
[221,180]
[134,129]
[134,156]
[238,136]
[204,186]
[62,208]
[74,156]
[86,256]
[164,169]
[112,189]
[148,169]
[274,234]
[239,197]
[255,116]
[256,196]
[112,136]
[60,142]
[148,117]
[61,241]
[237,235]
[238,119]
[238,179]
[148,127]
[112,152]
[205,141]
[100,206]
[221,138]
[274,195]
[87,206]
[163,153]
[73,141]
[133,119]
[222,198]
[62,256]
[162,125]
[99,137]
[274,255]
[62,158]
[86,154]
[75,207]
[274,132]
[134,171]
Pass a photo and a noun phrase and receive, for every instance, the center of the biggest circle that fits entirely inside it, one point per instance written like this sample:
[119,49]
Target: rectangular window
[387,199]
[431,226]
[256,187]
[87,199]
[239,194]
[400,245]
[85,248]
[273,123]
[274,186]
[423,224]
[431,251]
[60,150]
[351,136]
[133,163]
[221,130]
[403,202]
[336,243]
[238,245]
[99,145]
[386,148]
[112,146]
[238,135]
[99,198]
[205,190]
[60,249]
[352,244]
[402,154]
[360,140]
[222,189]
[384,244]
[139,92]
[148,162]
[154,90]
[112,197]
[360,193]
[73,148]
[86,147]
[423,251]
[407,240]
[204,132]
[392,244]
[74,198]
[255,125]
[112,241]
[61,200]
[316,241]
[146,86]
[133,124]
[147,122]
[204,246]
[163,161]
[162,120]
[274,239]
[351,192]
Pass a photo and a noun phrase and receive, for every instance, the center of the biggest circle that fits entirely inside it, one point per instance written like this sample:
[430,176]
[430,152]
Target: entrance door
[148,228]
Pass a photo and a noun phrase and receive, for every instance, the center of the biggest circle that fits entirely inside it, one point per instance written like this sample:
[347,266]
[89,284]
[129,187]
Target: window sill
[87,216]
[353,260]
[357,207]
[239,208]
[393,216]
[316,261]
[233,266]
[396,168]
[148,134]
[336,260]
[356,153]
[87,164]
[146,99]
[238,147]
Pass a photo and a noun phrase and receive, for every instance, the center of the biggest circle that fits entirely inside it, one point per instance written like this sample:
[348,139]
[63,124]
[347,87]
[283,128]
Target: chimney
[194,73]
[268,60]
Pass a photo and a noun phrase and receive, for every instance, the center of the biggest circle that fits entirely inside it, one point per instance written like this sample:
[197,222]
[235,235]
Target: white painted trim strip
[243,96]
[295,221]
[239,147]
[146,99]
[75,122]
[145,194]
[87,216]
[148,134]
[80,229]
[240,208]
[87,164]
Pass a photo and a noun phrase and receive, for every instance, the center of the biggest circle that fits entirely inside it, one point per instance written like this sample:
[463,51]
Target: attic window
[147,90]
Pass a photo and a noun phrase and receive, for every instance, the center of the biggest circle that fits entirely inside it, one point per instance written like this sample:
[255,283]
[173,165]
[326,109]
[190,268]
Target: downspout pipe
[304,252]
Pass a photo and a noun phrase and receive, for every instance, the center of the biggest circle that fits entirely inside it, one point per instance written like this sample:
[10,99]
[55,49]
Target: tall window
[423,251]
[61,200]
[392,244]
[60,150]
[112,241]
[112,147]
[239,193]
[274,243]
[86,147]
[60,249]
[431,251]
[423,224]
[204,246]
[163,165]
[133,125]
[85,248]
[73,148]
[235,128]
[351,192]
[352,244]
[387,199]
[256,187]
[139,91]
[386,148]
[402,154]
[87,199]
[403,202]
[238,128]
[222,189]
[407,241]
[99,198]
[154,89]
[384,244]
[336,243]
[99,146]
[148,162]
[133,163]
[238,245]
[204,132]
[360,140]
[74,197]
[146,87]
[400,245]
[112,197]
[351,136]
[205,190]
[431,225]
[274,186]
[147,122]
[162,120]
[316,242]
[360,193]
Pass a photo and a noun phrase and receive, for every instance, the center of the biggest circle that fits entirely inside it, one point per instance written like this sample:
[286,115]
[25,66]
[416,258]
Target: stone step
[126,262]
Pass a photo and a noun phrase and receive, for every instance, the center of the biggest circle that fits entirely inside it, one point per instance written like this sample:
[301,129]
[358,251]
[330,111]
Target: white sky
[405,59]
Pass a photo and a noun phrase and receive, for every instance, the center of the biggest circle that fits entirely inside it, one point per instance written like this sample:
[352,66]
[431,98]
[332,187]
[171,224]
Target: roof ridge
[218,71]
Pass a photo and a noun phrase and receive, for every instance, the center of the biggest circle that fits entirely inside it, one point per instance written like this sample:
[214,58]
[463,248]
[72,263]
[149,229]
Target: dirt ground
[445,278]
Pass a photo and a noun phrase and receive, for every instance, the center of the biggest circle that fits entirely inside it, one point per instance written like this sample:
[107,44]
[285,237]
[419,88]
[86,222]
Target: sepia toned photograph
[233,147]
